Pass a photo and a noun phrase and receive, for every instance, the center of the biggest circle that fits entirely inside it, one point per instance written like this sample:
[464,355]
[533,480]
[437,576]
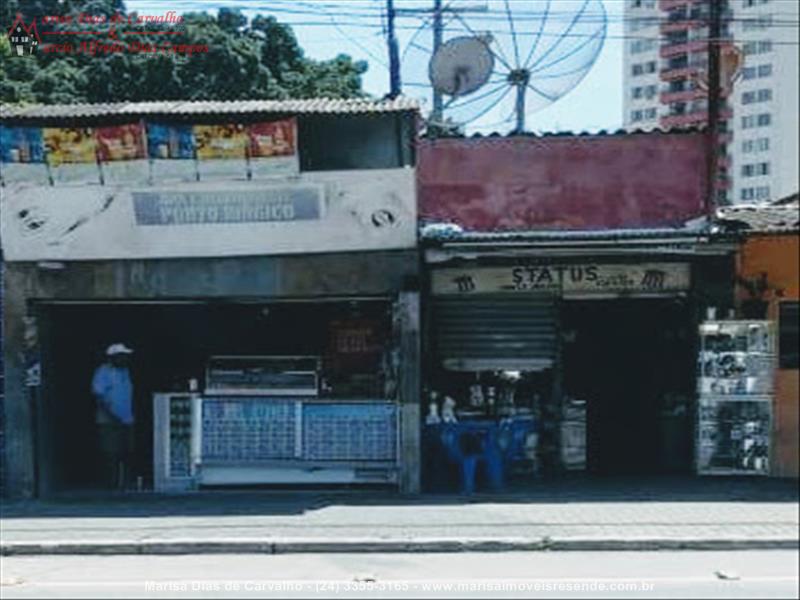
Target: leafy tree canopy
[260,59]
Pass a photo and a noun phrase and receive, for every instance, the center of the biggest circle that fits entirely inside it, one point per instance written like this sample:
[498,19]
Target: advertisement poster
[22,155]
[171,151]
[221,151]
[355,345]
[273,148]
[72,154]
[121,150]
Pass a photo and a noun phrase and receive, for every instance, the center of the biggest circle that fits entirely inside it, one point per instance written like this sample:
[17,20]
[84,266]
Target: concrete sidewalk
[698,515]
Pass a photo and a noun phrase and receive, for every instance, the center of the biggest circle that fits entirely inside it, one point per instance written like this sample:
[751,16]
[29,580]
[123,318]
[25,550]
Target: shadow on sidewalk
[278,501]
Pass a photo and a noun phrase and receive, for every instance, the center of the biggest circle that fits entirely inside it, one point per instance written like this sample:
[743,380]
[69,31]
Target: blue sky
[326,28]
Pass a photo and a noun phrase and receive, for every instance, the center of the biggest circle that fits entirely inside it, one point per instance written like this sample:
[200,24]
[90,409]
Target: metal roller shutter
[495,332]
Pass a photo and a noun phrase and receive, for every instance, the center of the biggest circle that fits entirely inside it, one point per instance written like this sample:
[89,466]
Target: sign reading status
[565,279]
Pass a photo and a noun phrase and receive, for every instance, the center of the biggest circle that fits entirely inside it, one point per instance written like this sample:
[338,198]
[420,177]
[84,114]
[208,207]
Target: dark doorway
[172,343]
[632,362]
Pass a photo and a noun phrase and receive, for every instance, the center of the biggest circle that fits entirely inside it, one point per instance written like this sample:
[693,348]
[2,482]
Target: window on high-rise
[643,45]
[757,71]
[762,22]
[650,114]
[757,47]
[761,120]
[755,145]
[750,97]
[755,169]
[750,194]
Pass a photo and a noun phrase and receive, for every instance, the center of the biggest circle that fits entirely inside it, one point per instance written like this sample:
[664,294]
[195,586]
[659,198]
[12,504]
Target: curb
[363,546]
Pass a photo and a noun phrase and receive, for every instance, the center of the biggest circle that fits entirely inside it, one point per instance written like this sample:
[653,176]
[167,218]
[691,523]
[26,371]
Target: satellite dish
[541,49]
[461,66]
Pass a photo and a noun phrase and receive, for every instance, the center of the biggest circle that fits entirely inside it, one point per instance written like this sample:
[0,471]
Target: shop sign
[332,211]
[565,279]
[244,206]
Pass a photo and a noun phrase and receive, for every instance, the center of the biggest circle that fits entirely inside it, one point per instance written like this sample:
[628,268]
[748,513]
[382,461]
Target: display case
[736,366]
[263,375]
[262,420]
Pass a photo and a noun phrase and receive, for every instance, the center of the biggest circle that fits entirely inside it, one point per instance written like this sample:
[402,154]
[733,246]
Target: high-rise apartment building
[642,103]
[667,50]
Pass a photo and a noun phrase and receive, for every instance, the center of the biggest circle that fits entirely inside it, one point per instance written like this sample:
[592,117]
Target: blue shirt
[113,386]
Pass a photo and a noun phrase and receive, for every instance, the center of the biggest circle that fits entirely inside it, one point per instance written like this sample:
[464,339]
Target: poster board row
[140,151]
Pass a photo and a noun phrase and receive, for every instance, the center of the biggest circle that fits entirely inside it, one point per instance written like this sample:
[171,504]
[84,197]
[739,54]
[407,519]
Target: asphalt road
[757,574]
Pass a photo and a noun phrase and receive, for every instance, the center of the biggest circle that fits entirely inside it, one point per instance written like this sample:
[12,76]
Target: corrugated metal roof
[445,233]
[530,134]
[761,217]
[793,199]
[179,108]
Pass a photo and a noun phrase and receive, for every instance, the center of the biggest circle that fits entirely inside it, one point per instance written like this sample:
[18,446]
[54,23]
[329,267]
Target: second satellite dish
[461,66]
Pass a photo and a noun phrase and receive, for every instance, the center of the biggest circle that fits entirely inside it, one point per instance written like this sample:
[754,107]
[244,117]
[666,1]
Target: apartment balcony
[683,96]
[692,119]
[680,73]
[726,137]
[682,25]
[723,183]
[683,48]
[670,4]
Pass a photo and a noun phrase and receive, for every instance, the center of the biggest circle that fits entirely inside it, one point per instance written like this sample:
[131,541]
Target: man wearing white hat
[112,389]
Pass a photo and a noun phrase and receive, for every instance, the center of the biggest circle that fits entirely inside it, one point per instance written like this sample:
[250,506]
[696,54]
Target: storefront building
[567,279]
[259,257]
[768,287]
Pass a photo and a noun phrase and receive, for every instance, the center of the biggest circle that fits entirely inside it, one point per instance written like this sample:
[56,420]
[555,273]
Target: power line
[573,35]
[291,7]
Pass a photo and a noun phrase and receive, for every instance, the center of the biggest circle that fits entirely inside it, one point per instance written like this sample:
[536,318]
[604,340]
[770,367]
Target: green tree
[245,60]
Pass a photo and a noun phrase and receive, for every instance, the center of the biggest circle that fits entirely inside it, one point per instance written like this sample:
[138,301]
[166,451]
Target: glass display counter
[735,385]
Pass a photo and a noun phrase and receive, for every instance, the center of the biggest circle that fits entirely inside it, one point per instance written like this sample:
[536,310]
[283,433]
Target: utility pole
[395,83]
[437,25]
[438,104]
[714,100]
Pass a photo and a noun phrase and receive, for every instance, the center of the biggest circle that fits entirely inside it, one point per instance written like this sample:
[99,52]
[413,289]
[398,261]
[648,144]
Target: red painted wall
[586,182]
